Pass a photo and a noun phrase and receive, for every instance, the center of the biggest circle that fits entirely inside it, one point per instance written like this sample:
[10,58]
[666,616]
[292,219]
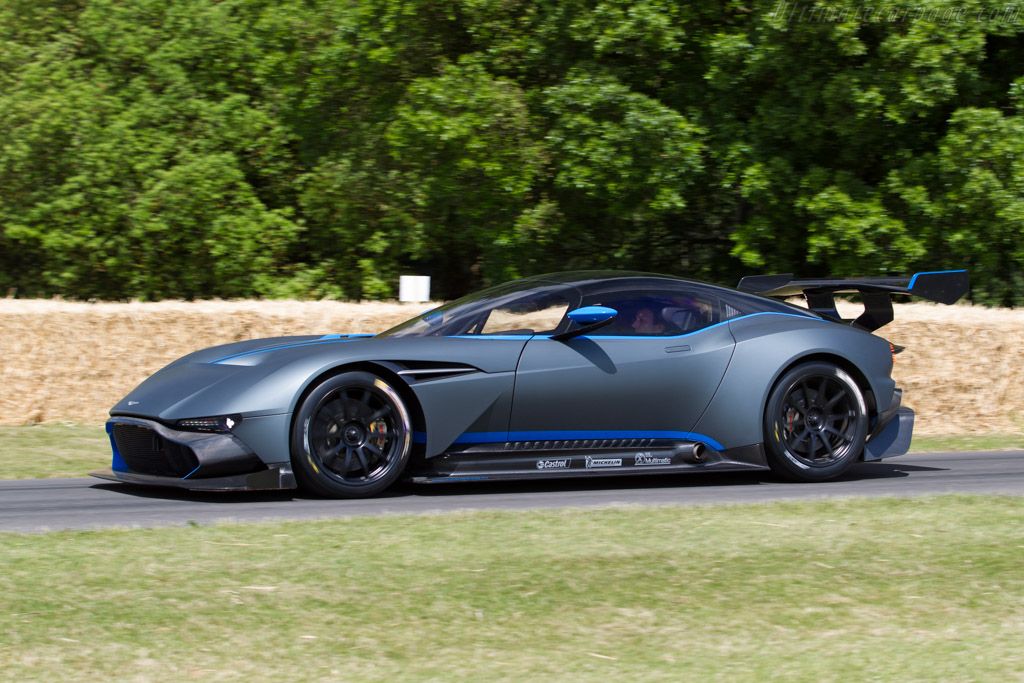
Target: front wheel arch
[397,383]
[358,414]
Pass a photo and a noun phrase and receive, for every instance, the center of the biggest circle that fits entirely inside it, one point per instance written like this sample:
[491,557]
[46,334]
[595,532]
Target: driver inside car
[646,321]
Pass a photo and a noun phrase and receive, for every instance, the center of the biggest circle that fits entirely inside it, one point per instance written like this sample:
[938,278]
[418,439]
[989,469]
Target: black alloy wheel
[352,436]
[816,422]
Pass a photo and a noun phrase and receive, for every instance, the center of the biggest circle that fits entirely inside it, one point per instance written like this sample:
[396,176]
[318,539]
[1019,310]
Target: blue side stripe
[485,437]
[581,434]
[933,272]
[192,472]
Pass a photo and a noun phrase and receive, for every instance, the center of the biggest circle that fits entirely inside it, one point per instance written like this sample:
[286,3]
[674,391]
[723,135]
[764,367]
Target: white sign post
[414,288]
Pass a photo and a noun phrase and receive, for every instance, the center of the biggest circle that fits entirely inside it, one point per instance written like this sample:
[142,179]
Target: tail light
[894,349]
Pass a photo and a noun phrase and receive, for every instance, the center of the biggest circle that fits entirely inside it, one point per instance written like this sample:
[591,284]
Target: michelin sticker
[603,462]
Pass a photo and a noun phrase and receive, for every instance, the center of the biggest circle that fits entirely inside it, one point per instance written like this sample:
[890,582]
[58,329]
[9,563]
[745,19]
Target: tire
[351,437]
[815,423]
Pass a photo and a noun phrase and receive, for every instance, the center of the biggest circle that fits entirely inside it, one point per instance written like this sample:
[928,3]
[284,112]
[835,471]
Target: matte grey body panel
[640,383]
[478,402]
[271,383]
[268,436]
[766,345]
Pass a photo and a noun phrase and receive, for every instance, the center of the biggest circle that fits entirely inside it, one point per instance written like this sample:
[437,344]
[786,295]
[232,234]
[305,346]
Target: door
[650,374]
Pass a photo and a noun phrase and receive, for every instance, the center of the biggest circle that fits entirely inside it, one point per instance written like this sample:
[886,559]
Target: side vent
[422,371]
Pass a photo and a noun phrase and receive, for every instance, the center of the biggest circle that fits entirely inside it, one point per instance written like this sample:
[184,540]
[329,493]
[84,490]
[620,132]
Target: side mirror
[587,319]
[588,315]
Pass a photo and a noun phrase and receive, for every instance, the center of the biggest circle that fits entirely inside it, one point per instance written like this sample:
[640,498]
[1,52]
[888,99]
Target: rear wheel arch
[840,362]
[809,438]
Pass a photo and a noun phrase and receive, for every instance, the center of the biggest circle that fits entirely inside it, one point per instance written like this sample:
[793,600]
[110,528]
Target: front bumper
[150,453]
[270,479]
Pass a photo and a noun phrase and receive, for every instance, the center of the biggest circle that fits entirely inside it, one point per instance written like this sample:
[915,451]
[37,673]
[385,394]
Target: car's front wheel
[351,436]
[816,422]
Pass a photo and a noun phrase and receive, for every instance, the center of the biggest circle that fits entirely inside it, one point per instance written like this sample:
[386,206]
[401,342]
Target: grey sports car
[562,375]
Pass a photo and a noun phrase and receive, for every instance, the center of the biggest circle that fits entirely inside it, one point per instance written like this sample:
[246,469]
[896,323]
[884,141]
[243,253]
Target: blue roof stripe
[596,337]
[705,329]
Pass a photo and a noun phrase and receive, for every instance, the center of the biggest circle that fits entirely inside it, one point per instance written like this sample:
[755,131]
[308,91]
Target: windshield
[524,307]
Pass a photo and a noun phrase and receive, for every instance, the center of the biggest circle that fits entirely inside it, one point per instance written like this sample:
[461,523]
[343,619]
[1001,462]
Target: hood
[216,378]
[253,351]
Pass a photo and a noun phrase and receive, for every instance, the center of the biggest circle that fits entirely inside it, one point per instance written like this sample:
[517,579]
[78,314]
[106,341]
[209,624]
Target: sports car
[562,375]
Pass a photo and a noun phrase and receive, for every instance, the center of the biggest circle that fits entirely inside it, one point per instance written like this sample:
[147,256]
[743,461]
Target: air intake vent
[145,452]
[426,370]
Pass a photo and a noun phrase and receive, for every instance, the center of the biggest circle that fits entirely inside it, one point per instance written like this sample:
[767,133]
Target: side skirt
[552,460]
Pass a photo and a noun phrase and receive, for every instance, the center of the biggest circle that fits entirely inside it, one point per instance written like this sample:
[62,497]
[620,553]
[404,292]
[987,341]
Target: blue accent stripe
[347,336]
[581,434]
[933,272]
[805,316]
[485,437]
[192,472]
[502,337]
[597,337]
[293,345]
[117,463]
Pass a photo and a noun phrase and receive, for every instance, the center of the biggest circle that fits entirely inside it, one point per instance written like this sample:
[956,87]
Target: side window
[660,311]
[534,314]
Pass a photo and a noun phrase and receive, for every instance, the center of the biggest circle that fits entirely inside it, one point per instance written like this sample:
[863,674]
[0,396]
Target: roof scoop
[941,286]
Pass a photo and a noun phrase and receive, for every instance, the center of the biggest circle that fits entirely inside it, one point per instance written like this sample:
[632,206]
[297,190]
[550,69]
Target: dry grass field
[963,368]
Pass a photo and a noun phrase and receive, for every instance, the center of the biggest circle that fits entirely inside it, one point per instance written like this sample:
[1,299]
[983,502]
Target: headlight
[223,423]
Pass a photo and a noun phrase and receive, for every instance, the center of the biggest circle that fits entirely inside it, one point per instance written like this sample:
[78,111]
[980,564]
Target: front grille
[146,452]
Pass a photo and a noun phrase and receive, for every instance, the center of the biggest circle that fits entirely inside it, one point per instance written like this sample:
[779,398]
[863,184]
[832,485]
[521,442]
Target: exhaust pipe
[698,452]
[692,452]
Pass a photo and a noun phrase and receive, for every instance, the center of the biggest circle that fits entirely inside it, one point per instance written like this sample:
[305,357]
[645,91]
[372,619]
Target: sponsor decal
[603,462]
[133,403]
[553,464]
[649,459]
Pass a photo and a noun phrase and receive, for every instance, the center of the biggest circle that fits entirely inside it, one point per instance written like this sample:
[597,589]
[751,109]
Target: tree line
[319,148]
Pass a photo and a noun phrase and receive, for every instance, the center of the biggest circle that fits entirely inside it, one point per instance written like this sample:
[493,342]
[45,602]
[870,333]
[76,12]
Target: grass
[886,589]
[52,450]
[69,450]
[967,442]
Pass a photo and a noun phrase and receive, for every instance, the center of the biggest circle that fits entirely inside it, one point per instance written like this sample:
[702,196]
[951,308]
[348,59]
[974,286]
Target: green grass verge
[967,442]
[885,589]
[52,450]
[69,450]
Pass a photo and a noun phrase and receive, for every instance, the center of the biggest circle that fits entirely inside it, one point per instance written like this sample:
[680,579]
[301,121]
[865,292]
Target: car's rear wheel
[351,436]
[816,422]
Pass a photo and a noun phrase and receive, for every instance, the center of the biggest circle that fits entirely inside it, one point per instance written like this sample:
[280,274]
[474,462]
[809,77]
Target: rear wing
[944,287]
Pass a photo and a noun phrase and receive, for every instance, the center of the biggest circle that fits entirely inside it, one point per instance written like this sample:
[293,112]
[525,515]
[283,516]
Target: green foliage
[320,148]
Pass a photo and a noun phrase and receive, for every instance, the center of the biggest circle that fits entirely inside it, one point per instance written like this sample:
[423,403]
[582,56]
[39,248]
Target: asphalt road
[51,504]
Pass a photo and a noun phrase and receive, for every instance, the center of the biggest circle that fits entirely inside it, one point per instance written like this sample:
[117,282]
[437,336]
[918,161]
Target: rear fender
[768,345]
